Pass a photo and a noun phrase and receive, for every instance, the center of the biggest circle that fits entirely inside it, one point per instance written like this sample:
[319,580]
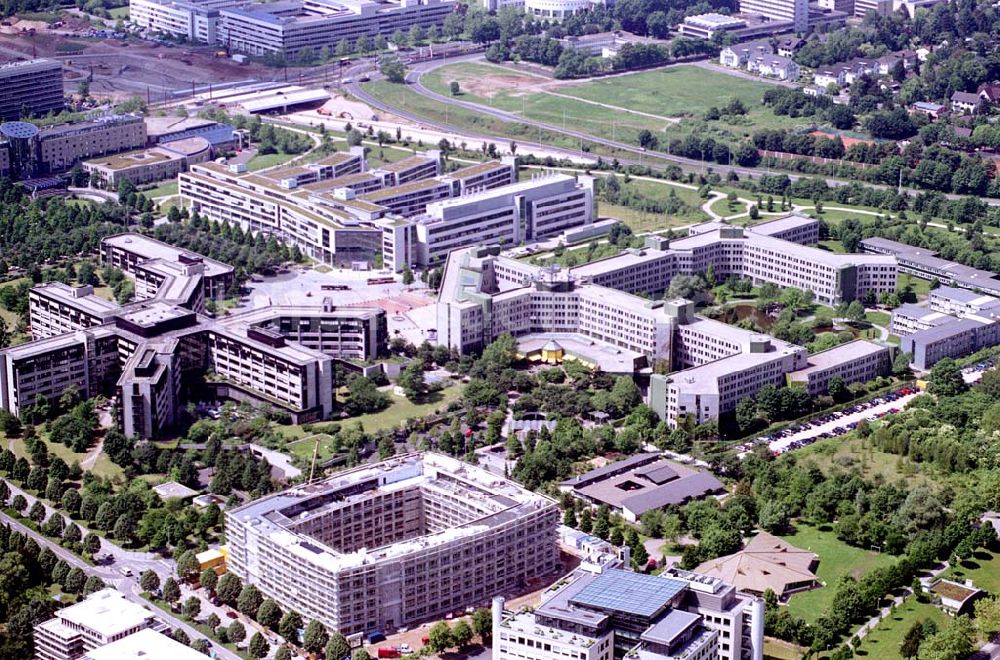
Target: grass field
[264,161]
[400,410]
[119,12]
[883,642]
[983,569]
[878,318]
[103,467]
[304,448]
[165,189]
[670,102]
[851,453]
[836,559]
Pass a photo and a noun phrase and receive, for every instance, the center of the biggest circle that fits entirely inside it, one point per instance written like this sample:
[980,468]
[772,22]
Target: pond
[733,314]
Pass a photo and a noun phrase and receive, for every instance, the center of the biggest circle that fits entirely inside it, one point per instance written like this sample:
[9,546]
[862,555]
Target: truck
[388,652]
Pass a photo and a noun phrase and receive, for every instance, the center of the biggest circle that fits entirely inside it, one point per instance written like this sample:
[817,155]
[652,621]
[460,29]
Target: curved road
[418,70]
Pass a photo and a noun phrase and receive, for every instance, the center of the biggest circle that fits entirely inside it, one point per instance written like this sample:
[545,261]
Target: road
[642,156]
[129,587]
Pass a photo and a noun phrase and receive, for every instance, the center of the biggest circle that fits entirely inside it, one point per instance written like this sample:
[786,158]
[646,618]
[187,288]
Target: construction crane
[312,468]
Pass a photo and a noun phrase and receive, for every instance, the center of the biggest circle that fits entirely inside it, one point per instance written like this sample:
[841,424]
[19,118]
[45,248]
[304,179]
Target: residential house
[966,102]
[827,77]
[989,92]
[737,55]
[788,47]
[932,110]
[774,66]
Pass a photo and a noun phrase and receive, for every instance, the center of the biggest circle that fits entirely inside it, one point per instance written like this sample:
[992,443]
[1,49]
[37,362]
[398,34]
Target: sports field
[670,102]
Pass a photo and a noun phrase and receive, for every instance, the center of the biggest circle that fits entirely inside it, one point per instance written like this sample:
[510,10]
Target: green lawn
[983,569]
[832,246]
[103,466]
[883,642]
[392,417]
[165,189]
[878,318]
[836,559]
[775,649]
[670,102]
[119,12]
[304,448]
[264,161]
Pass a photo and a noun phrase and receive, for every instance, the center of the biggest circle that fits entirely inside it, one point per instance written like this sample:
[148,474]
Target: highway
[111,574]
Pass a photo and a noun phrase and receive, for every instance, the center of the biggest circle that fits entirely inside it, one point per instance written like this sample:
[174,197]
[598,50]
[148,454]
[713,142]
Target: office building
[389,545]
[601,612]
[795,11]
[926,264]
[588,313]
[956,339]
[60,147]
[341,213]
[532,210]
[102,618]
[857,361]
[193,20]
[160,351]
[963,302]
[148,166]
[289,27]
[146,644]
[32,85]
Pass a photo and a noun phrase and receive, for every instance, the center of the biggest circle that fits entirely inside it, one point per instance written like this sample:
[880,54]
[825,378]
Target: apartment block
[389,545]
[35,85]
[909,318]
[147,644]
[100,619]
[602,612]
[291,26]
[963,302]
[150,165]
[857,361]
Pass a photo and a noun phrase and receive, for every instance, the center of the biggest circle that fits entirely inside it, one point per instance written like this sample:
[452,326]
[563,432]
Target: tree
[37,512]
[855,312]
[901,364]
[315,637]
[461,634]
[149,581]
[249,600]
[91,543]
[290,624]
[988,616]
[482,624]
[188,566]
[283,653]
[910,645]
[337,648]
[411,379]
[952,643]
[209,580]
[268,614]
[75,580]
[946,378]
[407,275]
[439,637]
[171,591]
[393,69]
[236,632]
[454,88]
[259,648]
[229,589]
[837,389]
[192,607]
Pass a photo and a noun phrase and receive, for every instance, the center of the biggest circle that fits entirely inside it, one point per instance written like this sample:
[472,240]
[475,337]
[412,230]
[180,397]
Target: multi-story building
[160,349]
[589,313]
[601,612]
[796,11]
[955,339]
[60,147]
[32,85]
[156,164]
[292,26]
[146,644]
[857,361]
[102,618]
[963,302]
[386,546]
[151,262]
[926,264]
[531,210]
[193,20]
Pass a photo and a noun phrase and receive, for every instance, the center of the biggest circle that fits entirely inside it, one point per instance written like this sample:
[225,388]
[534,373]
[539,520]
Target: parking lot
[839,423]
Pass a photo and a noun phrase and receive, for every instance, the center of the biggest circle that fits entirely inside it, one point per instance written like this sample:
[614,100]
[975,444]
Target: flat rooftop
[793,221]
[74,297]
[849,352]
[159,126]
[964,296]
[106,612]
[630,593]
[150,248]
[145,645]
